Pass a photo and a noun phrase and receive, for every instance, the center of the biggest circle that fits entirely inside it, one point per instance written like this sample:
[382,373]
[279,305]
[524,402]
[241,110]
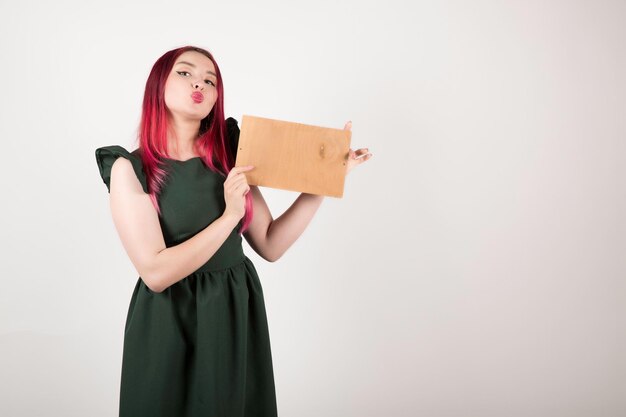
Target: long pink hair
[212,142]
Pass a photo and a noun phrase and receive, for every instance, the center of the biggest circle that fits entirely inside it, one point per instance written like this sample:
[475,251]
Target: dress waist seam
[219,266]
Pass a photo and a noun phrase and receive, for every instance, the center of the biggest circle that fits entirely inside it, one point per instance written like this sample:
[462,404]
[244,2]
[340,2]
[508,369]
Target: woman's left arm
[271,238]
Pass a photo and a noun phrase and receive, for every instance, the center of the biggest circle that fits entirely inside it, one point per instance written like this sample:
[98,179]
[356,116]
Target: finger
[234,183]
[364,158]
[348,125]
[235,171]
[241,189]
[241,180]
[239,170]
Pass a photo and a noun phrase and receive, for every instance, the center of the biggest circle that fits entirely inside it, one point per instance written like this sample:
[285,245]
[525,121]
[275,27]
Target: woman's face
[190,91]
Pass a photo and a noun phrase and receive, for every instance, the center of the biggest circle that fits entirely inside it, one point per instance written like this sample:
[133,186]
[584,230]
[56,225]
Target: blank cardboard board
[294,156]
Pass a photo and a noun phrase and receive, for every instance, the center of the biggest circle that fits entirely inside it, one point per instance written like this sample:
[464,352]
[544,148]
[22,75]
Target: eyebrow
[193,66]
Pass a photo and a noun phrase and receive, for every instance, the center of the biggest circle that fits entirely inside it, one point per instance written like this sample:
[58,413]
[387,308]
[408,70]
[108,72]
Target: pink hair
[152,136]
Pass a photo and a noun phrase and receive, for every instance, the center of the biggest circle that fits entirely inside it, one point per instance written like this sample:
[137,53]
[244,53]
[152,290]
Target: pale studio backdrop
[474,266]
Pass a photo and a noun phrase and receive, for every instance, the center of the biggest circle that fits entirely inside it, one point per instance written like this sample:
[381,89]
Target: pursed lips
[197,97]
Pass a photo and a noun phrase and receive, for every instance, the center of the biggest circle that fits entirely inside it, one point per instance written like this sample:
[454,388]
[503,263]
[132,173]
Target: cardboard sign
[294,156]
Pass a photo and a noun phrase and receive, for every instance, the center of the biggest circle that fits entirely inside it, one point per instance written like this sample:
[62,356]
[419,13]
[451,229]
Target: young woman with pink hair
[196,340]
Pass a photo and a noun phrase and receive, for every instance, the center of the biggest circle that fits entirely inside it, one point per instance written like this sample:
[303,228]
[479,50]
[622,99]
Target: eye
[186,72]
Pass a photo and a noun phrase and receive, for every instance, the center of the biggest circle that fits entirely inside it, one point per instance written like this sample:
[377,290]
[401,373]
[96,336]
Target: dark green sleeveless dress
[201,347]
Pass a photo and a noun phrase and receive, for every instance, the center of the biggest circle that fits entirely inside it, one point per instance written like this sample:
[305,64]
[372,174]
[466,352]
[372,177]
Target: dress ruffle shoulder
[107,155]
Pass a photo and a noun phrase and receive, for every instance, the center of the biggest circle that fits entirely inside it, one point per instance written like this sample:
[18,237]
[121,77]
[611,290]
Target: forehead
[200,61]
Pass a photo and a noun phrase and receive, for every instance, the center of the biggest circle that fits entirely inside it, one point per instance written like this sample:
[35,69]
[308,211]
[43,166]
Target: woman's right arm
[137,224]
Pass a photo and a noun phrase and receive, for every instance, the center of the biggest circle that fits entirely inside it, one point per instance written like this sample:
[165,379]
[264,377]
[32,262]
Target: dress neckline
[181,161]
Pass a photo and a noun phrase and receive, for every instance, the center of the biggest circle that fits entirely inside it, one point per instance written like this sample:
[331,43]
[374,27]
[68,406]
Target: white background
[474,267]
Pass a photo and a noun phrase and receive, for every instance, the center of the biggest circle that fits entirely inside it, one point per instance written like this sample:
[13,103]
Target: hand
[356,157]
[235,189]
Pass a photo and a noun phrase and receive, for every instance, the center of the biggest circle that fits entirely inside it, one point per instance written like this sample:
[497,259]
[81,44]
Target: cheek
[211,97]
[175,94]
[170,93]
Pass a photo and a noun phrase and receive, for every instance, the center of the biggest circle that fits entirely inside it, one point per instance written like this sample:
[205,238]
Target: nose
[198,84]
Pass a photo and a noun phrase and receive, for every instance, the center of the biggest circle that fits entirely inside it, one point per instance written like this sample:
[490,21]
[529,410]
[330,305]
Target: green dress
[201,347]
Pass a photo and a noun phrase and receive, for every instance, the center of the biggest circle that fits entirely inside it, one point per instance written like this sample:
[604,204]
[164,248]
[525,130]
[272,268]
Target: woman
[196,339]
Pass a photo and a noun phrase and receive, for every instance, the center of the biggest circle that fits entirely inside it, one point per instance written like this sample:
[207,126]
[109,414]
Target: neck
[182,136]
